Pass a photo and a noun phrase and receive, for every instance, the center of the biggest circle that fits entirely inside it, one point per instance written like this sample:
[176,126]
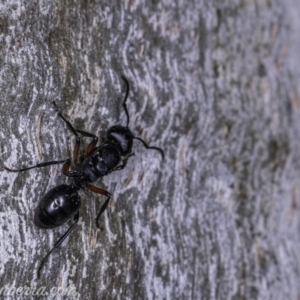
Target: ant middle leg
[66,169]
[71,128]
[40,165]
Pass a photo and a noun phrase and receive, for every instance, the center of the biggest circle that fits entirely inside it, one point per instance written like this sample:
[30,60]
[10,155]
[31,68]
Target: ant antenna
[125,99]
[150,147]
[127,115]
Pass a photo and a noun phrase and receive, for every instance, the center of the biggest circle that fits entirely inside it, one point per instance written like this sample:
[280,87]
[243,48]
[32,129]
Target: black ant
[62,202]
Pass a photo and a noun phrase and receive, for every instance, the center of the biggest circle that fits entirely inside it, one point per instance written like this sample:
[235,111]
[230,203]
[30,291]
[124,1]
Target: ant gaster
[62,202]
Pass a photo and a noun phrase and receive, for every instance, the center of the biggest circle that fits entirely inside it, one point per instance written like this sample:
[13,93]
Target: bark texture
[216,86]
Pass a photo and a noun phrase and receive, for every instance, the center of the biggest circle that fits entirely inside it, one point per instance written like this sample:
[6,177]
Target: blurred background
[216,86]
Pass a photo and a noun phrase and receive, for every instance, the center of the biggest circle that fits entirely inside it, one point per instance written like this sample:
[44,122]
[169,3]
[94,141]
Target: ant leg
[101,192]
[66,169]
[148,147]
[92,144]
[124,163]
[125,99]
[49,163]
[71,128]
[58,243]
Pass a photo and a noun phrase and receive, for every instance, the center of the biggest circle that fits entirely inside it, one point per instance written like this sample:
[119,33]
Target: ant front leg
[124,163]
[101,192]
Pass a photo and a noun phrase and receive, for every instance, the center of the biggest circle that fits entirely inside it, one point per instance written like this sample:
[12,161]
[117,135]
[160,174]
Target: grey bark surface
[216,86]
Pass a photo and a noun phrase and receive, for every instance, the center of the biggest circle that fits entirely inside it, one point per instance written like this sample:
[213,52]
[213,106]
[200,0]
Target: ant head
[123,137]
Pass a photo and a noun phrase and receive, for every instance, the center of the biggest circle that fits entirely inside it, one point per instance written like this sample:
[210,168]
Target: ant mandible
[62,202]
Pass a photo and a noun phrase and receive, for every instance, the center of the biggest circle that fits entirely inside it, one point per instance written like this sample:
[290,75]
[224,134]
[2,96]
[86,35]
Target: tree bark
[216,86]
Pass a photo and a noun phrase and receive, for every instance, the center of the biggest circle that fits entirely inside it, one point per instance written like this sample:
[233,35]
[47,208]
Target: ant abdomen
[58,206]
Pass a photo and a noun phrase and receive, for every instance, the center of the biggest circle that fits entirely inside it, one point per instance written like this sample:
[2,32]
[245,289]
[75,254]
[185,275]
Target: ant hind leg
[58,243]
